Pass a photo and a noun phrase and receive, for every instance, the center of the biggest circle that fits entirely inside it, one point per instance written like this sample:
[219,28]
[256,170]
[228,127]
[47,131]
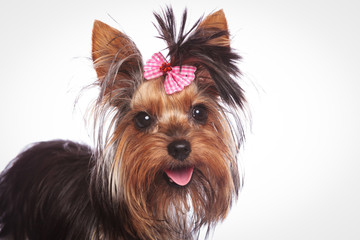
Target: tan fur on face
[169,110]
[154,204]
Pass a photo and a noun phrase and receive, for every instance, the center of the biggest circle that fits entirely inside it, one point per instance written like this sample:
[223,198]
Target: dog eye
[142,120]
[200,113]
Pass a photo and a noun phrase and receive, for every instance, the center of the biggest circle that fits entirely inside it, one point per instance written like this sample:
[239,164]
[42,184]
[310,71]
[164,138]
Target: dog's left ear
[116,58]
[219,59]
[217,22]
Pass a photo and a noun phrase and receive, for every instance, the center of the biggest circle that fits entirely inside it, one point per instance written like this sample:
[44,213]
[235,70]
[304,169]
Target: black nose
[179,149]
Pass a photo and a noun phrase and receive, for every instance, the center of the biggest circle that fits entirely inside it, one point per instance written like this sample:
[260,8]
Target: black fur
[44,192]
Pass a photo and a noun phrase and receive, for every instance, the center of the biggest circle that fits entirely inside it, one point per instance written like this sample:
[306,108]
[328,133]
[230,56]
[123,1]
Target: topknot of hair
[196,47]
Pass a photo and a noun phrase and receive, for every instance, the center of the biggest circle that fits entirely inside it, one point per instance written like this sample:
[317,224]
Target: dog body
[168,135]
[46,195]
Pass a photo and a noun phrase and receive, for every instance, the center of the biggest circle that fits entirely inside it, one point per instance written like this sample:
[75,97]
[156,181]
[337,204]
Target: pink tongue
[180,176]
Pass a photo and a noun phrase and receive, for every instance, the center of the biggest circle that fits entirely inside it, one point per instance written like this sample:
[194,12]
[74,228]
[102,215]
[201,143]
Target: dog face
[168,161]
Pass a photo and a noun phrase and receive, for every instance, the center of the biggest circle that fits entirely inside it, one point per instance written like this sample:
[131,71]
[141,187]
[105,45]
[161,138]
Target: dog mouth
[180,176]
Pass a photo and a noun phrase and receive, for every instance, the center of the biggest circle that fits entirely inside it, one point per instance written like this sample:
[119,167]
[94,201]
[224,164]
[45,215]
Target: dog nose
[179,149]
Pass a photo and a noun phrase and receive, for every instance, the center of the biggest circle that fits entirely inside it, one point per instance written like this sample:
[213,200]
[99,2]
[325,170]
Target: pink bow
[175,79]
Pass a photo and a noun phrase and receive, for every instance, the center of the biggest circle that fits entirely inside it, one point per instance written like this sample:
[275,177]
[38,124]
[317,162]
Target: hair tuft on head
[207,46]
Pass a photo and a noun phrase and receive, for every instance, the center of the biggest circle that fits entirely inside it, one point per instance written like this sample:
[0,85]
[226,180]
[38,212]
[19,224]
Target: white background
[301,71]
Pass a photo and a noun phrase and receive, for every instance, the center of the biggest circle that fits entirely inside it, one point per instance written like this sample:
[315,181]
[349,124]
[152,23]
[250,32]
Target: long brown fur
[158,209]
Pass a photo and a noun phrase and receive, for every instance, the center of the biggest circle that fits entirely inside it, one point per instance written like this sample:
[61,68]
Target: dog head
[167,164]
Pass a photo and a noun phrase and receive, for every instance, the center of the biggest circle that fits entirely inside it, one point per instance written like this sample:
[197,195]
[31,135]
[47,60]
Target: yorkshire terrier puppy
[165,161]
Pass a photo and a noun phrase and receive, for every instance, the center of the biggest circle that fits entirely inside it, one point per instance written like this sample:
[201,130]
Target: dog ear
[220,60]
[216,22]
[115,56]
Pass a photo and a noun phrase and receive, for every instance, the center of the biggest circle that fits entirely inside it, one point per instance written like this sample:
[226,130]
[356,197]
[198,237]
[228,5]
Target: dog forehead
[151,96]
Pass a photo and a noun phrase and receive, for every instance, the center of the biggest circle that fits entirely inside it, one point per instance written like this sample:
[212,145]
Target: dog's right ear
[117,60]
